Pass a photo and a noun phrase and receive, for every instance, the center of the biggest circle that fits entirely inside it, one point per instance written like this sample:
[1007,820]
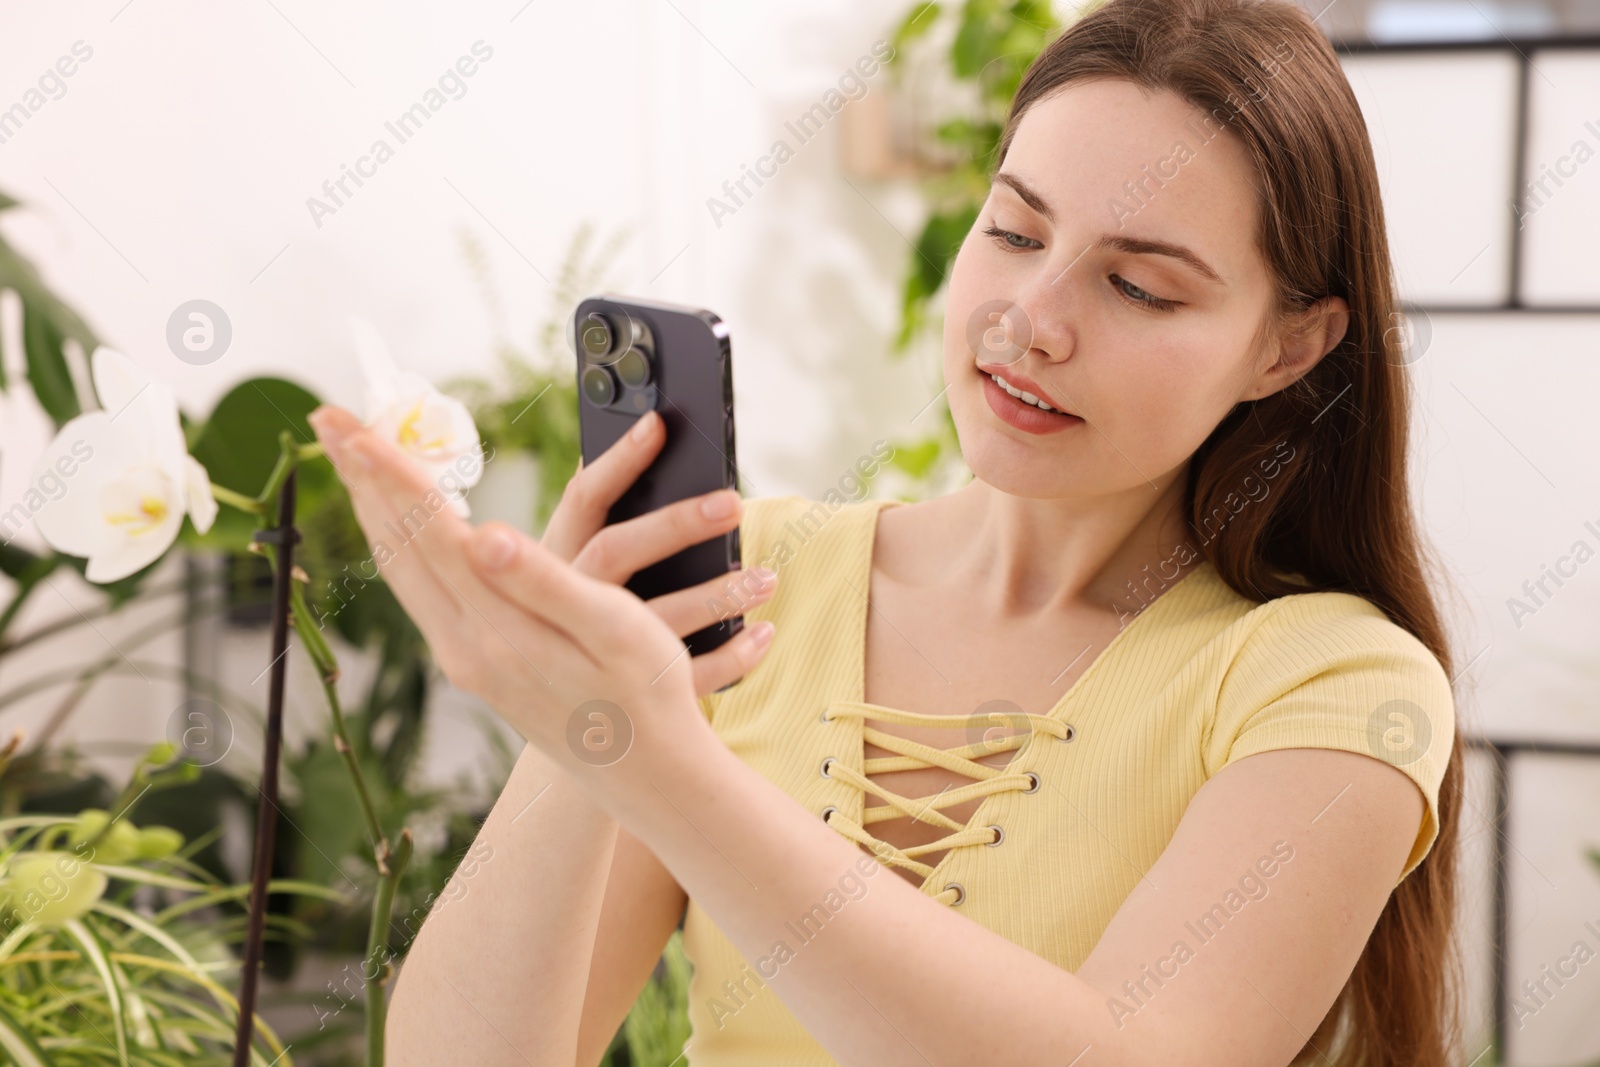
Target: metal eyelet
[827,811]
[1034,778]
[961,894]
[1070,734]
[824,768]
[999,835]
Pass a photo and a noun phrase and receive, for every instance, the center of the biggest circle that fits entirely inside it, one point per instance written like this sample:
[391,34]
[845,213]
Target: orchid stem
[378,946]
[289,454]
[280,471]
[227,496]
[328,672]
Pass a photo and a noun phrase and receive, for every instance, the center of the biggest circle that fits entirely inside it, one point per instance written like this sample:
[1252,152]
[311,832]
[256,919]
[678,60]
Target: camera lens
[595,336]
[599,386]
[633,368]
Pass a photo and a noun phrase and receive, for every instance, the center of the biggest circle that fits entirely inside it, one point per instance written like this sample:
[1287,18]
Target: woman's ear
[1307,337]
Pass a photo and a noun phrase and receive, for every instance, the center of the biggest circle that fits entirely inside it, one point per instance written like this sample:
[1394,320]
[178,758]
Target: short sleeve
[1330,670]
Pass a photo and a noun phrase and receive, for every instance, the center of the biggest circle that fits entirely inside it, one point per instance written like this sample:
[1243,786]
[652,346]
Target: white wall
[178,164]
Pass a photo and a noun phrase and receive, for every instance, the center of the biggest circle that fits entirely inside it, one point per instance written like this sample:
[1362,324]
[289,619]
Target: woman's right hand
[577,532]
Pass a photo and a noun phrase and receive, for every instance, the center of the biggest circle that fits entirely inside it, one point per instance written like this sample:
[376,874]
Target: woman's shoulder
[1317,625]
[1329,669]
[1333,661]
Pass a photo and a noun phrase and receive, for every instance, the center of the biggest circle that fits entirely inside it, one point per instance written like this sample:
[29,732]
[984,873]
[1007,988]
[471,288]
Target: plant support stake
[283,537]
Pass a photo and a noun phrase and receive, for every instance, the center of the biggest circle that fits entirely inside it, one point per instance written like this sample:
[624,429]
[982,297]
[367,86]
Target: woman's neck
[1030,555]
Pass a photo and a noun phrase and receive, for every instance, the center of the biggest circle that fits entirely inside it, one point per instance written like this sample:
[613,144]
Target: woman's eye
[1012,240]
[1138,296]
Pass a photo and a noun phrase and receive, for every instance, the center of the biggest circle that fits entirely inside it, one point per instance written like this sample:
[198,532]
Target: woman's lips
[1023,416]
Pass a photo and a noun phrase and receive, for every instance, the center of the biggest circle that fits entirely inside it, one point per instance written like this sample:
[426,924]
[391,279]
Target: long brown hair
[1341,517]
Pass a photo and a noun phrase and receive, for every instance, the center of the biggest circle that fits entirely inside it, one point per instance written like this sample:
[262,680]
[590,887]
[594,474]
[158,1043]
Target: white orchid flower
[124,475]
[434,429]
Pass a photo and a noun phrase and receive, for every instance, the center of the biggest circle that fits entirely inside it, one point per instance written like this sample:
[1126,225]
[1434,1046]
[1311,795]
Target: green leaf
[95,952]
[239,448]
[221,996]
[42,339]
[974,46]
[145,876]
[239,444]
[917,459]
[936,246]
[17,274]
[19,1043]
[21,822]
[657,1025]
[918,21]
[329,811]
[16,562]
[149,929]
[240,892]
[144,1031]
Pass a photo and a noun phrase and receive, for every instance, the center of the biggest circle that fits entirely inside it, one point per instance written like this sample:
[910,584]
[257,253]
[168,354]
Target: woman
[1137,749]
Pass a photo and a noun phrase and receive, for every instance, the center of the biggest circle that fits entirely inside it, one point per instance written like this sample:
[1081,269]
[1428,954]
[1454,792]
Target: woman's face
[1059,285]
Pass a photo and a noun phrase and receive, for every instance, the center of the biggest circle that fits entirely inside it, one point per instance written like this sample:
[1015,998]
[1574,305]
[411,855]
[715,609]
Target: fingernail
[495,548]
[763,576]
[641,429]
[327,433]
[761,634]
[720,505]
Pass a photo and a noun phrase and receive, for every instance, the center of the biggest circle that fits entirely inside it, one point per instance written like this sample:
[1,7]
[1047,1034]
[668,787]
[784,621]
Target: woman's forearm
[497,973]
[877,957]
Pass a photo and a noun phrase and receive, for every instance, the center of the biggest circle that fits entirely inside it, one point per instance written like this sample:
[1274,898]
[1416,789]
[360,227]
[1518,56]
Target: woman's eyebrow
[1120,242]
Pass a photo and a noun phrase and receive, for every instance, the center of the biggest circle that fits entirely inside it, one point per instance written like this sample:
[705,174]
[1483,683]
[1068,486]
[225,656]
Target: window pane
[1561,201]
[1442,129]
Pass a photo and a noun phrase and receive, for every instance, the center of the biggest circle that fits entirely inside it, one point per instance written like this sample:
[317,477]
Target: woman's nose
[999,332]
[1043,316]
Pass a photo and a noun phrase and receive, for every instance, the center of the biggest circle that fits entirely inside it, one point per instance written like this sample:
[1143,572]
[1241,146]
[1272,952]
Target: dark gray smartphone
[635,355]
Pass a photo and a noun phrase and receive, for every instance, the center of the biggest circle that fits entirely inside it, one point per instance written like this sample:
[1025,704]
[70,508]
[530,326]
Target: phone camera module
[634,368]
[616,351]
[599,387]
[596,337]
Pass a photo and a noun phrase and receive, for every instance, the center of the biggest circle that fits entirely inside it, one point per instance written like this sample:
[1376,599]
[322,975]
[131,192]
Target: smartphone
[635,355]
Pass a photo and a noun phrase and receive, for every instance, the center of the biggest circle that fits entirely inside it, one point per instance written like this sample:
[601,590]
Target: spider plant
[113,952]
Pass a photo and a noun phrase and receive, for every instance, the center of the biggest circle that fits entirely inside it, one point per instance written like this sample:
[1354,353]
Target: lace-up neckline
[986,781]
[913,755]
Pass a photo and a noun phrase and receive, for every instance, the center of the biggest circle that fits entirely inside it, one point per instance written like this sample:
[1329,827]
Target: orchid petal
[144,408]
[143,510]
[117,379]
[197,491]
[378,367]
[85,454]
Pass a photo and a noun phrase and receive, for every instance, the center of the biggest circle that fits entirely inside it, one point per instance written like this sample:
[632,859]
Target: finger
[594,488]
[689,610]
[615,553]
[526,575]
[436,539]
[414,584]
[733,659]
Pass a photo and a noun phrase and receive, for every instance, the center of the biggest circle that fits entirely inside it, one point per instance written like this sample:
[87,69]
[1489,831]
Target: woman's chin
[1015,467]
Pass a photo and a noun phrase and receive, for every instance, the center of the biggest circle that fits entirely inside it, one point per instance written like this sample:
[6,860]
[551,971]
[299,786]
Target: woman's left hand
[581,668]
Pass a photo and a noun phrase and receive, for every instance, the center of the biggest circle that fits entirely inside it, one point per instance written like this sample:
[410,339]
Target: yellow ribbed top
[1199,678]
